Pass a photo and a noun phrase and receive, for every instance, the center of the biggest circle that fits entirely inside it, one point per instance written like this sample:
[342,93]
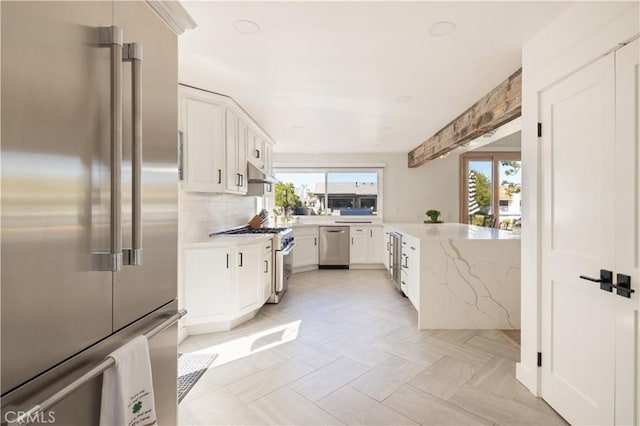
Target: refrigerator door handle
[112,37]
[132,52]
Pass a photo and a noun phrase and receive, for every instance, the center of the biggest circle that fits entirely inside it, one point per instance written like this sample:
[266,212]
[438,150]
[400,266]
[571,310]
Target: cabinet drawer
[307,231]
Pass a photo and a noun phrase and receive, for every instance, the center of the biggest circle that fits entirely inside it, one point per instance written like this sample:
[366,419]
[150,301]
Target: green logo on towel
[136,407]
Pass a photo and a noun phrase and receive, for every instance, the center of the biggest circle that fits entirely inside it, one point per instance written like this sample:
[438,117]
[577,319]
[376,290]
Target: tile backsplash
[202,213]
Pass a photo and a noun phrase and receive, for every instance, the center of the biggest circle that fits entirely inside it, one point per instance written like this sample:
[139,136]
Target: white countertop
[231,240]
[452,231]
[341,222]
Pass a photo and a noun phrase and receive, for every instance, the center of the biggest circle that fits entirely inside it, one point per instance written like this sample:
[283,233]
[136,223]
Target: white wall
[407,193]
[582,33]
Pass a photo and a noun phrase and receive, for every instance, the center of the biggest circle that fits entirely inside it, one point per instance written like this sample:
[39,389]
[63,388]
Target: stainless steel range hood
[260,184]
[254,175]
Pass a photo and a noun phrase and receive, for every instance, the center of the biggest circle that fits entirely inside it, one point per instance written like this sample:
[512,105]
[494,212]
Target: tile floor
[343,348]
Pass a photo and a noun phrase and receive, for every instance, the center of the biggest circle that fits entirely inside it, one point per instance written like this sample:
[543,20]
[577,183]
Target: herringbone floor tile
[343,347]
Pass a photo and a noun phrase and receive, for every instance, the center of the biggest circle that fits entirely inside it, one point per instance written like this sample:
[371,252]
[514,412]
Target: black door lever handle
[606,280]
[623,286]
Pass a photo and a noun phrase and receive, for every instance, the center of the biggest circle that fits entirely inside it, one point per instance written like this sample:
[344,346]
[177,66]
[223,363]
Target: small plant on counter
[433,215]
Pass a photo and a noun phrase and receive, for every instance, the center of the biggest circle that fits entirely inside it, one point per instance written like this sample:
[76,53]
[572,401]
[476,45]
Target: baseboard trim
[527,377]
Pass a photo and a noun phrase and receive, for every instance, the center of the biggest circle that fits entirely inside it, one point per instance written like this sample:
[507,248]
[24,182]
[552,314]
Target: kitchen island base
[461,276]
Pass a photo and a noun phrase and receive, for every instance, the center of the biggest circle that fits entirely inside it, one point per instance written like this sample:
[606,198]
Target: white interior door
[591,205]
[626,213]
[578,238]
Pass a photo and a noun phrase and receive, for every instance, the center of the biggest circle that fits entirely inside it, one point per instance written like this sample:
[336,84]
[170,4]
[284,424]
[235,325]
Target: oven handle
[287,251]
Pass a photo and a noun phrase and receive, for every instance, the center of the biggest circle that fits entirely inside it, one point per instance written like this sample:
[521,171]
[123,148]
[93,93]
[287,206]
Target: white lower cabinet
[249,278]
[267,270]
[375,253]
[359,245]
[306,251]
[223,285]
[386,248]
[411,268]
[207,289]
[366,245]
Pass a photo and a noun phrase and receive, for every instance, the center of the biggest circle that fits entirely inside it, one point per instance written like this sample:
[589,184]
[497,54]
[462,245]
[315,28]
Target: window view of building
[351,193]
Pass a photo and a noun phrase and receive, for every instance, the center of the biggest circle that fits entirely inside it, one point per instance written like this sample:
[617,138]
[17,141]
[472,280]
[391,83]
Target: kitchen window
[328,192]
[490,187]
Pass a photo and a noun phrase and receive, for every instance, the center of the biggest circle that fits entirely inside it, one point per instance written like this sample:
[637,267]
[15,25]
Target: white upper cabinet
[236,143]
[217,138]
[268,158]
[255,153]
[202,134]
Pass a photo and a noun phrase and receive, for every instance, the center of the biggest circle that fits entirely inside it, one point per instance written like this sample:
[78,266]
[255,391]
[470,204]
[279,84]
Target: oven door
[284,268]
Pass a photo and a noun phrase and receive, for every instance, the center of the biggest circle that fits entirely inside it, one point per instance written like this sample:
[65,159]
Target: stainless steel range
[282,252]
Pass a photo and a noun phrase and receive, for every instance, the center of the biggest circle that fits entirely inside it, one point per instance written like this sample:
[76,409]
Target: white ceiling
[324,76]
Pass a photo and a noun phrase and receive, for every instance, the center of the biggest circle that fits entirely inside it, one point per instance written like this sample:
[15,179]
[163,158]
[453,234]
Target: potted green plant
[433,215]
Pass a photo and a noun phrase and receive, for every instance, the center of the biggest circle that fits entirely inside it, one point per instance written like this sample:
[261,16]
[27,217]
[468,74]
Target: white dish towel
[127,387]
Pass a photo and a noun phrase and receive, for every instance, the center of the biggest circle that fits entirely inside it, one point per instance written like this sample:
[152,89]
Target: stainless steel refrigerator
[84,84]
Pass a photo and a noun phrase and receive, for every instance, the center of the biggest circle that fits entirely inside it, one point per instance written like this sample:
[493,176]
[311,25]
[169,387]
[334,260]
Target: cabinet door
[268,159]
[249,289]
[386,249]
[375,246]
[241,159]
[267,271]
[207,284]
[306,251]
[232,137]
[255,149]
[359,245]
[203,138]
[413,274]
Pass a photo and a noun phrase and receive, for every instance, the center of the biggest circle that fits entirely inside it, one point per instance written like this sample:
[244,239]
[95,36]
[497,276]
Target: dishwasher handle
[335,231]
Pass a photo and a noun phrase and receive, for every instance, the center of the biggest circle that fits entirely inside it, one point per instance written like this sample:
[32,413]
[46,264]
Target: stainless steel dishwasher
[334,247]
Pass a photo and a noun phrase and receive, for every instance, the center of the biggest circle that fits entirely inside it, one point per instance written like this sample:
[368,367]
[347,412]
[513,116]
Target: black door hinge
[539,130]
[539,359]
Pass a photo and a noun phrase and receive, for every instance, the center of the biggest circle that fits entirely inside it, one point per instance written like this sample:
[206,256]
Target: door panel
[249,277]
[627,230]
[140,289]
[578,319]
[55,184]
[233,132]
[204,125]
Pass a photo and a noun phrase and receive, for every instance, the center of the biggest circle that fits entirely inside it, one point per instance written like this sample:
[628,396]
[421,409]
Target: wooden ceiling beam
[499,106]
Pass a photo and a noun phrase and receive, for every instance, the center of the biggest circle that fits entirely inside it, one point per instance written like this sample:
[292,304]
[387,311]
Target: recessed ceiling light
[246,27]
[442,28]
[403,99]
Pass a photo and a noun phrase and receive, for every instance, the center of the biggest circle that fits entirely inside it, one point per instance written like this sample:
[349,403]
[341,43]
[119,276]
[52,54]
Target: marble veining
[470,284]
[474,278]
